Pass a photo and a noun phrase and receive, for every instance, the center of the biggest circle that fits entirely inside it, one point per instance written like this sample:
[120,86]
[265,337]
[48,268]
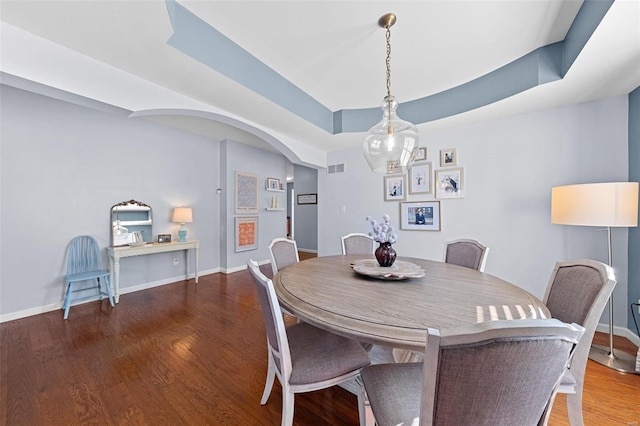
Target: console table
[117,253]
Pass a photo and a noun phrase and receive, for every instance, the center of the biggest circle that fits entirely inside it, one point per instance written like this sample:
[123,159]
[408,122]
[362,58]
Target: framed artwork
[273,184]
[420,178]
[164,238]
[394,188]
[450,183]
[246,233]
[421,155]
[420,216]
[393,167]
[448,157]
[308,199]
[246,193]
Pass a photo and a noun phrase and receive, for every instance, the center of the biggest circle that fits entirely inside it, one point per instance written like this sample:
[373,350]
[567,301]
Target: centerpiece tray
[400,270]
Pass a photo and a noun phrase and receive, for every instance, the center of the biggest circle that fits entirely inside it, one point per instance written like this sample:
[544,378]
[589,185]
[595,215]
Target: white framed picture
[420,216]
[246,192]
[395,187]
[450,183]
[420,178]
[246,233]
[448,157]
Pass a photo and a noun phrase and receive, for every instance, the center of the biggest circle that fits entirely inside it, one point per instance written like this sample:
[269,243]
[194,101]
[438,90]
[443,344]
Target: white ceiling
[332,50]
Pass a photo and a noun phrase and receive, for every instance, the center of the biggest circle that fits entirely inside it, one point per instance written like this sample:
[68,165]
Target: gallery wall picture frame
[395,187]
[421,155]
[393,167]
[246,190]
[448,157]
[307,199]
[450,183]
[273,184]
[246,233]
[420,178]
[420,216]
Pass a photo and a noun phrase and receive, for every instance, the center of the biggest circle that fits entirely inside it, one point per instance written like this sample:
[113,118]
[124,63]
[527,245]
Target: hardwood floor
[191,354]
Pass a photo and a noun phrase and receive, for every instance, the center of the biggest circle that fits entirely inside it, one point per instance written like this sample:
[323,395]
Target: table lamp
[600,204]
[182,215]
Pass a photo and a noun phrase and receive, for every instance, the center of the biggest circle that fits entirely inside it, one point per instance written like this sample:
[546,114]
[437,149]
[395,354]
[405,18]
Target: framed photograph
[246,233]
[420,178]
[420,216]
[393,167]
[448,157]
[308,199]
[164,238]
[450,183]
[394,188]
[246,193]
[421,155]
[273,184]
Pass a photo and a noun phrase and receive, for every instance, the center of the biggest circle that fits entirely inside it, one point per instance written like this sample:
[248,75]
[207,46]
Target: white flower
[382,232]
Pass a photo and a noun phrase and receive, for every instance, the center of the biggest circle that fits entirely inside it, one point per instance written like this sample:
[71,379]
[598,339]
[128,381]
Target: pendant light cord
[388,61]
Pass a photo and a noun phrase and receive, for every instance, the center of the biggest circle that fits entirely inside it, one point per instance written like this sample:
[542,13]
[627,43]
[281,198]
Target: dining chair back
[578,292]
[85,264]
[304,358]
[284,252]
[357,243]
[468,253]
[501,372]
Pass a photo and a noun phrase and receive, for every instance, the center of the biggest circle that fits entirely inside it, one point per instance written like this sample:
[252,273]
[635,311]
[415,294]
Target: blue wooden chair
[84,264]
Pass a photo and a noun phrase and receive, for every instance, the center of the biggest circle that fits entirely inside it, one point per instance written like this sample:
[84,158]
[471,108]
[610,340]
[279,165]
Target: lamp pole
[620,361]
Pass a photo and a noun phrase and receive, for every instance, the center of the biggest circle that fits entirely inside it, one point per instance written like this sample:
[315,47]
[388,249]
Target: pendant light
[392,144]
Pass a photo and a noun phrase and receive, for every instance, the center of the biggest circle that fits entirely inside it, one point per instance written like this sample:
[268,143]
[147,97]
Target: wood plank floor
[187,354]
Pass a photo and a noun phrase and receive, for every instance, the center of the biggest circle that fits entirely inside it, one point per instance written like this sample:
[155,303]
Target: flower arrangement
[382,232]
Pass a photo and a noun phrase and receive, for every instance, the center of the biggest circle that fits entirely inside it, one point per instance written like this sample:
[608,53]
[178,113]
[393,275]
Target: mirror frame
[130,203]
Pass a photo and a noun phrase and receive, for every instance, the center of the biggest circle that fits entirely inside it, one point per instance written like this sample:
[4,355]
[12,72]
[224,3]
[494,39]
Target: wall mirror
[131,223]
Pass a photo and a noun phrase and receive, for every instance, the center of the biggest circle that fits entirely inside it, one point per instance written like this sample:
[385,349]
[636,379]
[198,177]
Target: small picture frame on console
[164,238]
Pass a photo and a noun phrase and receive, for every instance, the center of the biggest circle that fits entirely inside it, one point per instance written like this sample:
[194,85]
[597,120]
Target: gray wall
[271,224]
[305,181]
[634,176]
[510,166]
[62,168]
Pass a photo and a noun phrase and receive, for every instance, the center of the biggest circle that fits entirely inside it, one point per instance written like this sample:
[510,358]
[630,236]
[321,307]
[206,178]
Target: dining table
[351,295]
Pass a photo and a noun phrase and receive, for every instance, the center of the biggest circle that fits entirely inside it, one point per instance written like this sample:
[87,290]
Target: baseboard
[242,267]
[307,250]
[32,311]
[620,331]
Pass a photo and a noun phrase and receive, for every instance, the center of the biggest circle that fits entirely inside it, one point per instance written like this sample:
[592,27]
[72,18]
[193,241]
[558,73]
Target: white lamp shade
[182,215]
[612,204]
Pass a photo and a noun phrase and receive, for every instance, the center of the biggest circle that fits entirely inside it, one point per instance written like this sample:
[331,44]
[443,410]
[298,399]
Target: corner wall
[634,233]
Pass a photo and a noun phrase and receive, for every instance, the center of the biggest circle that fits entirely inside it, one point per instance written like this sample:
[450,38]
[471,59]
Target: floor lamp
[600,204]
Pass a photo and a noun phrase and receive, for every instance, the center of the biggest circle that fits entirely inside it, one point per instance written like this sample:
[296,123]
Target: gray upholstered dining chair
[357,243]
[578,292]
[304,358]
[468,253]
[493,373]
[284,252]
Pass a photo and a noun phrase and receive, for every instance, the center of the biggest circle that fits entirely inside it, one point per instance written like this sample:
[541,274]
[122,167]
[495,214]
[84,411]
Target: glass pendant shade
[392,144]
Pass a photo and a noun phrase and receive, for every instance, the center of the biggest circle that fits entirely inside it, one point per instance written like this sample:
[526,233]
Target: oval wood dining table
[326,292]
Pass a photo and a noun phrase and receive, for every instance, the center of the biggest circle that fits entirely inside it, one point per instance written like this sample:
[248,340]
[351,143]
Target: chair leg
[271,375]
[362,401]
[287,407]
[574,407]
[109,292]
[67,300]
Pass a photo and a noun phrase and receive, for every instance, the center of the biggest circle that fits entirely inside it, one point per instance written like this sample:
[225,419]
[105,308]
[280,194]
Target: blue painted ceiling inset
[546,64]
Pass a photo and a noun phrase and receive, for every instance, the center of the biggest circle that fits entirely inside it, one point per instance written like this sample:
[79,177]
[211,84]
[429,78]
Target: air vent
[335,168]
